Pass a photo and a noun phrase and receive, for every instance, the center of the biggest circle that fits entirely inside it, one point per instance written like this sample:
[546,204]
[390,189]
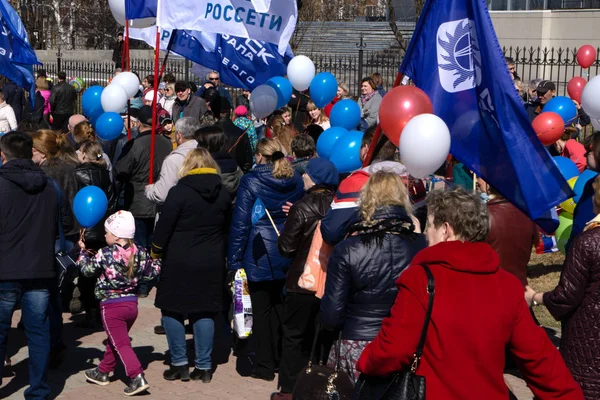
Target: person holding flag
[257,221]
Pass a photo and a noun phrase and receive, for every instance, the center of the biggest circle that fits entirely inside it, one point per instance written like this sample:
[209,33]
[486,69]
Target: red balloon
[586,55]
[575,88]
[549,127]
[399,106]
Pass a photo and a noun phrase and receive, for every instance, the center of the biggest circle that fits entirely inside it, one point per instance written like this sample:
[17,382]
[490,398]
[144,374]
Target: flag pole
[128,100]
[378,131]
[272,222]
[154,101]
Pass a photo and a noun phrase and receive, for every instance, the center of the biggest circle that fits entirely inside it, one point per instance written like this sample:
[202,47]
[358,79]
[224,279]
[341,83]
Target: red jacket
[479,311]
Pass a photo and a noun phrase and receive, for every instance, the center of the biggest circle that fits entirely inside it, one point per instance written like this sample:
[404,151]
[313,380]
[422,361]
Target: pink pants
[117,319]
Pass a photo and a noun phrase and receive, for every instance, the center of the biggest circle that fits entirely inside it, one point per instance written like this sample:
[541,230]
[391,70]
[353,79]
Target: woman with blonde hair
[193,226]
[360,289]
[316,116]
[343,92]
[257,221]
[278,129]
[84,131]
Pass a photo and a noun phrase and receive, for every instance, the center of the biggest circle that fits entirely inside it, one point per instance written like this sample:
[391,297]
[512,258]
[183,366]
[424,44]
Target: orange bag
[315,270]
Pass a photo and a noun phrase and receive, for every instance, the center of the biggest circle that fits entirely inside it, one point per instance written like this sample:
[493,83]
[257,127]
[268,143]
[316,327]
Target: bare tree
[403,43]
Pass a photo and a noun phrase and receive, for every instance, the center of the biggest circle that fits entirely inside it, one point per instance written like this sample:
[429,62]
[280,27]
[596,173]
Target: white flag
[232,17]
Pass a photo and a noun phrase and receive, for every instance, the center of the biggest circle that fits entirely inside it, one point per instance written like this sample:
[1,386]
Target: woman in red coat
[479,311]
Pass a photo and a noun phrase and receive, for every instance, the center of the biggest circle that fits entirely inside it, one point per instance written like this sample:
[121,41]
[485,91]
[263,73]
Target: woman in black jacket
[302,306]
[190,236]
[92,171]
[360,288]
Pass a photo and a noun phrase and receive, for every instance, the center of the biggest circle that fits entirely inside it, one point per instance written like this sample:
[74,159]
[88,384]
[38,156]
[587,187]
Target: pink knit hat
[241,111]
[121,224]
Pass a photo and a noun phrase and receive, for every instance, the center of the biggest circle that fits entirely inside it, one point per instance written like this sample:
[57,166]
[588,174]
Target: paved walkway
[85,349]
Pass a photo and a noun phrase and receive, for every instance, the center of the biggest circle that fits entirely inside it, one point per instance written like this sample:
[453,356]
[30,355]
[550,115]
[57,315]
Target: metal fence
[558,65]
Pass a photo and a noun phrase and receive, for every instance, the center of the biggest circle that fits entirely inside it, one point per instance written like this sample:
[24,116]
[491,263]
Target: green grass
[543,274]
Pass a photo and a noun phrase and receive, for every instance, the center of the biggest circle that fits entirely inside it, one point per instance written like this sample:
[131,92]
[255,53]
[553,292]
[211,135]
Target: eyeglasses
[213,79]
[180,91]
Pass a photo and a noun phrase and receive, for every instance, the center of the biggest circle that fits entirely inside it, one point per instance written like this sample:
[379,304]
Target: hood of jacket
[264,173]
[204,181]
[473,258]
[225,162]
[25,174]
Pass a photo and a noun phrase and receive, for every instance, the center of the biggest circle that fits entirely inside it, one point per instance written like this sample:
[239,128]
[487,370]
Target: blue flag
[241,62]
[258,211]
[454,56]
[136,9]
[16,54]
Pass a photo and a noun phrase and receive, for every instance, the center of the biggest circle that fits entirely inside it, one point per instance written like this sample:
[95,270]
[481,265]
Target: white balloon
[263,101]
[590,98]
[300,72]
[129,81]
[424,145]
[117,8]
[114,98]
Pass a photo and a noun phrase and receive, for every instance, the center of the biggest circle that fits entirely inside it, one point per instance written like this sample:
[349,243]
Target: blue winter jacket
[254,247]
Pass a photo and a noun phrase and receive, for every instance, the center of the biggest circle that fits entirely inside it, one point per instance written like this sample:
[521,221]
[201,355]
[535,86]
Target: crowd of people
[215,169]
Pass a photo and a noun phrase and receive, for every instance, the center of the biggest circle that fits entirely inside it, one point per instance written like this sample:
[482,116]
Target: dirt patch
[543,275]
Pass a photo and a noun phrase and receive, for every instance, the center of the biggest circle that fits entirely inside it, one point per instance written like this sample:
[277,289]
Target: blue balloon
[564,107]
[94,115]
[323,89]
[283,88]
[583,179]
[90,101]
[567,168]
[109,126]
[89,206]
[345,154]
[345,113]
[327,139]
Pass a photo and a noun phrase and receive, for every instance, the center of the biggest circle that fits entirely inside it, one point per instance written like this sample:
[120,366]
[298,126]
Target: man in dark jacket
[187,105]
[237,139]
[117,56]
[62,102]
[14,97]
[28,223]
[133,171]
[546,90]
[302,306]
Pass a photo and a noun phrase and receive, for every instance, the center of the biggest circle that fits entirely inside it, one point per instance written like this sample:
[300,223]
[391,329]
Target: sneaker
[137,385]
[204,375]
[95,376]
[261,375]
[175,373]
[159,330]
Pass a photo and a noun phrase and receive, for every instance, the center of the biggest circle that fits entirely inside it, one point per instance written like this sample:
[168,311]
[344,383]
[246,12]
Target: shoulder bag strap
[431,292]
[61,232]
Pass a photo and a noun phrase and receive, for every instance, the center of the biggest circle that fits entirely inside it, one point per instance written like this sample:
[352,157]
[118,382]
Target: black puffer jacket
[576,302]
[242,151]
[90,174]
[298,232]
[63,173]
[360,288]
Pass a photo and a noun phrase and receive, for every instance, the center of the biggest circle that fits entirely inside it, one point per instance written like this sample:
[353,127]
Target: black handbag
[404,385]
[65,265]
[319,382]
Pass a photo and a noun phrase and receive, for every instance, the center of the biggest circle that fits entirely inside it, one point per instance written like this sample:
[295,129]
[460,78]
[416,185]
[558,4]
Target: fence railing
[558,65]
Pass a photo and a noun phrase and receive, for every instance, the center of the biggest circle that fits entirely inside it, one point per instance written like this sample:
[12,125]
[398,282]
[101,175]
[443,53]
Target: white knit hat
[121,224]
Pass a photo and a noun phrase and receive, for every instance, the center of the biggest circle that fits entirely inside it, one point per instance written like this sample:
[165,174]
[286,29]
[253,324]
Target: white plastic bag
[242,305]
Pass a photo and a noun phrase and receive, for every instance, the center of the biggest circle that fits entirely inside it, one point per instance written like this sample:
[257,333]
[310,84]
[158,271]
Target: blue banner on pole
[454,56]
[136,9]
[241,62]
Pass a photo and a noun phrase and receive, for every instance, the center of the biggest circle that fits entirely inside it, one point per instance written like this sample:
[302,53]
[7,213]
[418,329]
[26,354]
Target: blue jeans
[34,296]
[204,332]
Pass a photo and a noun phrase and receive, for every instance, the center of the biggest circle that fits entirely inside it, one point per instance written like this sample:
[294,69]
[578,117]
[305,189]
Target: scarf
[366,97]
